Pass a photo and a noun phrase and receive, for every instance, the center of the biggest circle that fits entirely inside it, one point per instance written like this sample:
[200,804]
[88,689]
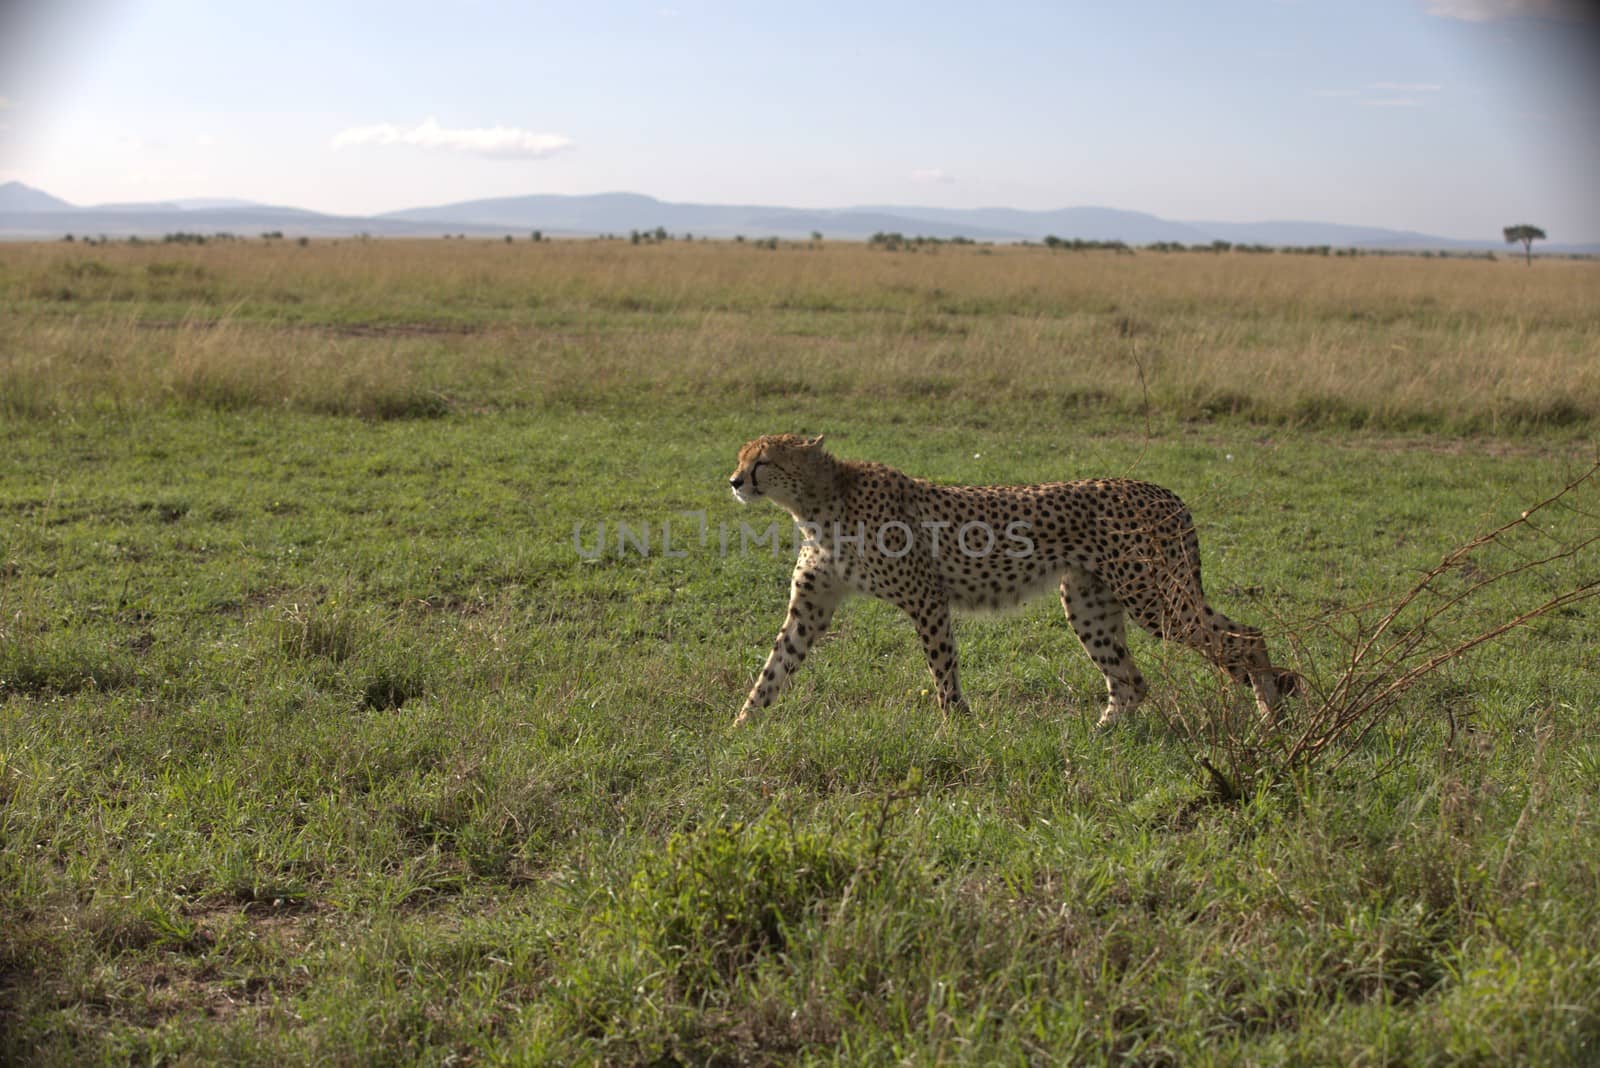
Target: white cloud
[1405,87]
[497,142]
[1392,102]
[1491,10]
[933,176]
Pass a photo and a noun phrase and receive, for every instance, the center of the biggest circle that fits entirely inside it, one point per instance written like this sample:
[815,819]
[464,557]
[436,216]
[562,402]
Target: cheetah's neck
[822,500]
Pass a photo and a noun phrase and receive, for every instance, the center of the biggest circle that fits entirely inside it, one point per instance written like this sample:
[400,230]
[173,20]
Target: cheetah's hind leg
[1271,688]
[1241,651]
[1095,614]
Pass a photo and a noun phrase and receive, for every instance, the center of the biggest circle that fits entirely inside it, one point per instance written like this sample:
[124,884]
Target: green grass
[320,742]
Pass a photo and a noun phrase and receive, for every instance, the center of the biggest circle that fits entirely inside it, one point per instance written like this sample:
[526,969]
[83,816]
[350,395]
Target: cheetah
[1112,546]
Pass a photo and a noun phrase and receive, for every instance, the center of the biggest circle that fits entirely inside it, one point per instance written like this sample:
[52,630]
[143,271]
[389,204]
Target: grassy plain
[321,742]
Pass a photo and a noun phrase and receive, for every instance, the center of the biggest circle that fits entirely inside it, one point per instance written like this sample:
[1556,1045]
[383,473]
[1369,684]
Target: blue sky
[1453,117]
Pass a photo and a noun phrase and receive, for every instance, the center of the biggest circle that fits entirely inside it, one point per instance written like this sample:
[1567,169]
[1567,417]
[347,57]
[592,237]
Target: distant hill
[1089,224]
[184,204]
[1289,233]
[625,212]
[207,203]
[243,222]
[14,196]
[30,213]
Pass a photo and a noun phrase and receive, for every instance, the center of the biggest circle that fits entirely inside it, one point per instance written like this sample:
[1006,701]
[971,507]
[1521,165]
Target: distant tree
[661,233]
[508,239]
[816,235]
[1527,234]
[538,236]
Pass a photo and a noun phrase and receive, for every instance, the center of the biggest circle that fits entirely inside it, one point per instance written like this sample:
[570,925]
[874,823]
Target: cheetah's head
[779,466]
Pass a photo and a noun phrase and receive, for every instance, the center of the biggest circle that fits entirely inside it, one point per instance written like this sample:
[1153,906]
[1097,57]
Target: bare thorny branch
[1380,662]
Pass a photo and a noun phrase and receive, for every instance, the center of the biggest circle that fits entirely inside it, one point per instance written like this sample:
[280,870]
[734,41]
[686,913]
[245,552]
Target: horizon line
[233,203]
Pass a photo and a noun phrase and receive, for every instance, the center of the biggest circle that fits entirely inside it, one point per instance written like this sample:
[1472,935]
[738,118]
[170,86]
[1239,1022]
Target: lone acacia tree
[1527,234]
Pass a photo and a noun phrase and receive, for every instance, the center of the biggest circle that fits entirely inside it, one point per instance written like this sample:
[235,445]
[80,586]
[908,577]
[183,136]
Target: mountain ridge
[29,213]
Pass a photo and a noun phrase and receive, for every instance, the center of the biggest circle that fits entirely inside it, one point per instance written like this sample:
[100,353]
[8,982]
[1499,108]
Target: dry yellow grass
[396,327]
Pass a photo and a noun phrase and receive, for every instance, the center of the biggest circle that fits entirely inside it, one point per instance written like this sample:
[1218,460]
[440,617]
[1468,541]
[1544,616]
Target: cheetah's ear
[814,443]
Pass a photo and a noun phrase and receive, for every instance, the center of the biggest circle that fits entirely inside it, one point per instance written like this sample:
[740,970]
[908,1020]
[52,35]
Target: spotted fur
[1113,547]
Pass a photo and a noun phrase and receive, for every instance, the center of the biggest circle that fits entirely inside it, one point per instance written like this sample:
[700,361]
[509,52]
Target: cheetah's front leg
[813,595]
[932,618]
